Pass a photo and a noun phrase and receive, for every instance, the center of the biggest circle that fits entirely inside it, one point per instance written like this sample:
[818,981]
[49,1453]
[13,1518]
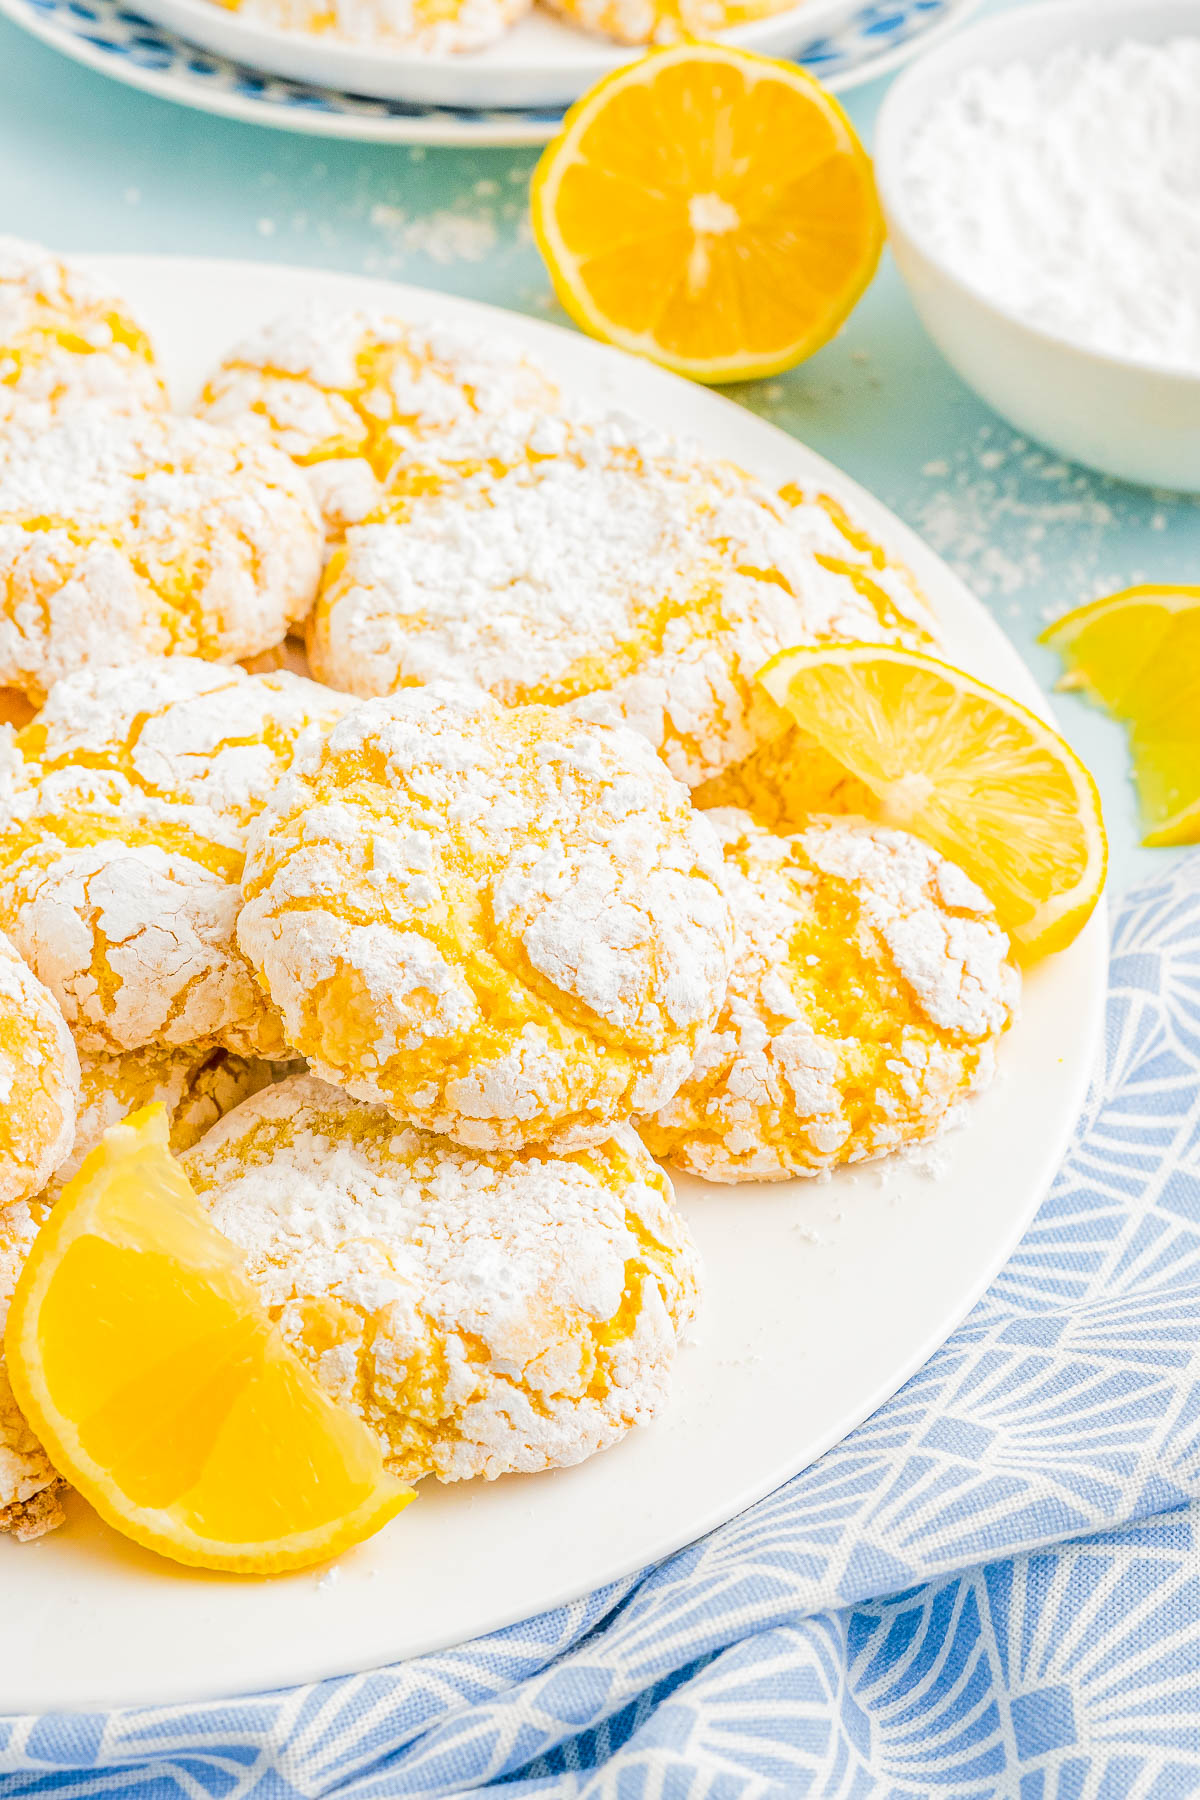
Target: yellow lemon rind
[1059,919]
[156,1529]
[560,261]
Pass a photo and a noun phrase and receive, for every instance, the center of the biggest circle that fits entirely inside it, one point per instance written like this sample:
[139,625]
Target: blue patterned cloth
[990,1590]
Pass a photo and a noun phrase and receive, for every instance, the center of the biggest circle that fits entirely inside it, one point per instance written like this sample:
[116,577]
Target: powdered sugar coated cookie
[65,338]
[125,537]
[485,1313]
[357,397]
[609,567]
[124,810]
[870,987]
[504,925]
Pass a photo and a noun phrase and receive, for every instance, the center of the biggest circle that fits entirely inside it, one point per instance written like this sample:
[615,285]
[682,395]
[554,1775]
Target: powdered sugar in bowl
[1041,179]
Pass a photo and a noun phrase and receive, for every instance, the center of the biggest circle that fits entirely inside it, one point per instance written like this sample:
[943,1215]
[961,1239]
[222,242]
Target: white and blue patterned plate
[110,37]
[820,1298]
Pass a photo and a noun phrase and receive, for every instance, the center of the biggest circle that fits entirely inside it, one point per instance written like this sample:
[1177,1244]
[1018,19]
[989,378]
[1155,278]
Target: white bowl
[1127,418]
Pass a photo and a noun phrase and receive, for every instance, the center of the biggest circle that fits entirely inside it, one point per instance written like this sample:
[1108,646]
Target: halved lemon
[710,209]
[1137,654]
[967,768]
[144,1360]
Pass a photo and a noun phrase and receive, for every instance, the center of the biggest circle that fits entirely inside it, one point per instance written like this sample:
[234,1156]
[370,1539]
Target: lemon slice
[976,774]
[145,1362]
[1137,654]
[710,209]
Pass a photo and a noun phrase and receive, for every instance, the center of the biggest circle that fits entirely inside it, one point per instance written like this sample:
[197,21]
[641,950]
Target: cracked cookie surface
[357,397]
[123,537]
[485,1313]
[870,987]
[39,1080]
[611,567]
[504,925]
[124,809]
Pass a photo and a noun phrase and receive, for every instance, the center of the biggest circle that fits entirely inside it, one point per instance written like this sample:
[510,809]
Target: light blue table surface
[87,164]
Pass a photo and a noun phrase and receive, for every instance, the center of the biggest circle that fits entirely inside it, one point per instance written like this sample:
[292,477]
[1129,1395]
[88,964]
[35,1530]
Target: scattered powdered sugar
[444,236]
[1009,517]
[604,560]
[485,1314]
[870,984]
[506,926]
[1068,192]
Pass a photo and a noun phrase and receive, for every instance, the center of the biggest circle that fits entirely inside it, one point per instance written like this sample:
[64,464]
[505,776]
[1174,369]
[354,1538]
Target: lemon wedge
[1137,654]
[144,1360]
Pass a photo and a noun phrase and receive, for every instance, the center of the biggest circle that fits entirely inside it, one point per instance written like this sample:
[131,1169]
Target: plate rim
[436,126]
[215,21]
[1093,944]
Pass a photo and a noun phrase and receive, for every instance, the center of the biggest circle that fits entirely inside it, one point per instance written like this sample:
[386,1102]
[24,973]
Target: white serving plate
[821,1298]
[876,37]
[542,61]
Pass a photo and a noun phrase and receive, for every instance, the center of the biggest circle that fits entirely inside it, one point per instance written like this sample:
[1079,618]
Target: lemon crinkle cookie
[355,397]
[31,1489]
[124,537]
[39,1080]
[484,1313]
[39,1101]
[504,925]
[609,566]
[64,338]
[432,27]
[664,21]
[870,987]
[196,1086]
[124,809]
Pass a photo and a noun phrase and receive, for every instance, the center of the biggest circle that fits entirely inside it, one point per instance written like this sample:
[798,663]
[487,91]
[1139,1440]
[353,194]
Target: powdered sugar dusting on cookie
[124,810]
[354,395]
[506,926]
[485,1314]
[121,537]
[870,986]
[609,566]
